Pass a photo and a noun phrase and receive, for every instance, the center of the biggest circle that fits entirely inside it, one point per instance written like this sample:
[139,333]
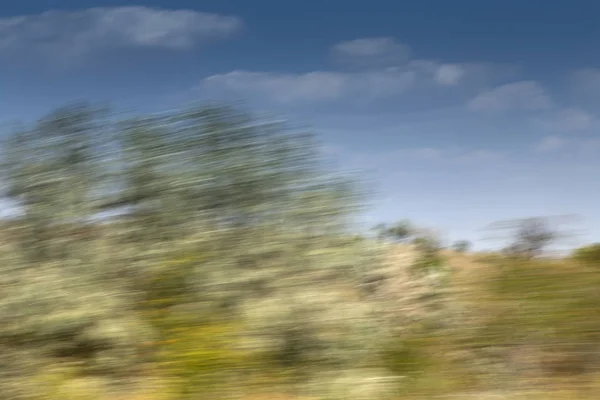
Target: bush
[61,314]
[199,359]
[588,255]
[430,260]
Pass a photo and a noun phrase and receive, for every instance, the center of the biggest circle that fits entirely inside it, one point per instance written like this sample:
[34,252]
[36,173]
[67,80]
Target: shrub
[588,255]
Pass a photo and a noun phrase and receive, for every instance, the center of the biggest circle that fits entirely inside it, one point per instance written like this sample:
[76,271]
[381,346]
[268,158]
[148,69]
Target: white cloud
[528,95]
[311,86]
[372,51]
[550,143]
[449,156]
[449,74]
[586,82]
[387,73]
[418,77]
[587,75]
[428,153]
[574,119]
[386,51]
[478,155]
[74,33]
[590,146]
[579,147]
[570,120]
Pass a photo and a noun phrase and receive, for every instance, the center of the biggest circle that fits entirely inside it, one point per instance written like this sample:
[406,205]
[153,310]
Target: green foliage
[397,232]
[229,263]
[56,313]
[408,357]
[201,358]
[462,246]
[430,259]
[217,214]
[536,317]
[544,298]
[588,255]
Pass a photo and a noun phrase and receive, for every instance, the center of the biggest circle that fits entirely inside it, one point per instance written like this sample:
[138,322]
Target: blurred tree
[533,236]
[530,237]
[51,171]
[260,221]
[462,246]
[430,259]
[397,232]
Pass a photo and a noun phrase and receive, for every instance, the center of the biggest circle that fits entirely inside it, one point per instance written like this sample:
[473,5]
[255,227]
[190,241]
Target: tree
[260,225]
[533,236]
[530,237]
[461,246]
[51,171]
[397,232]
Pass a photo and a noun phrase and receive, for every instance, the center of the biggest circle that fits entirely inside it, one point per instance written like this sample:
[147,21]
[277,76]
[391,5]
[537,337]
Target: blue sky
[462,112]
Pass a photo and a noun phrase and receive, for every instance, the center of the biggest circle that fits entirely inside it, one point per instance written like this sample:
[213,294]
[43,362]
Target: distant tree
[462,246]
[528,237]
[398,232]
[533,236]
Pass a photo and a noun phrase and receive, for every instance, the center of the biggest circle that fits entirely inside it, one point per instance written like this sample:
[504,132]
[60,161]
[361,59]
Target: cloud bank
[386,70]
[76,33]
